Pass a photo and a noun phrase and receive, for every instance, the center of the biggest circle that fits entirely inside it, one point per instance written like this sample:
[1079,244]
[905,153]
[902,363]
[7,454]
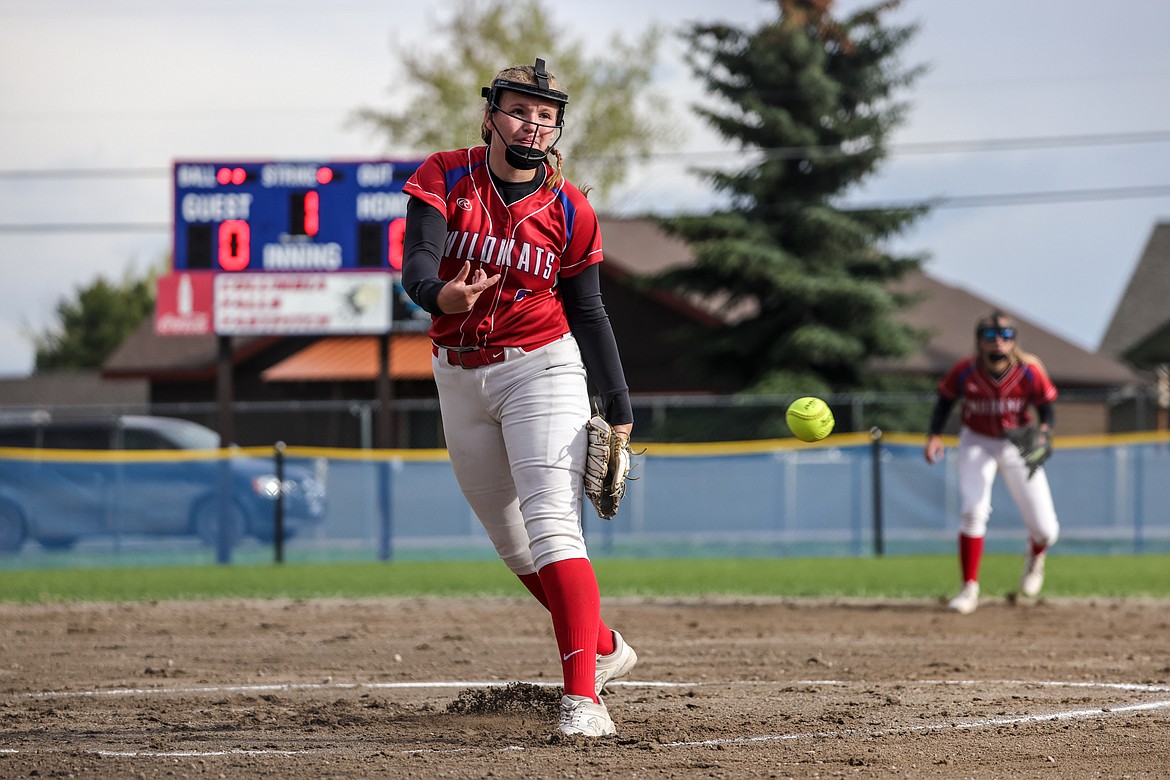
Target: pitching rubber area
[742,688]
[1113,700]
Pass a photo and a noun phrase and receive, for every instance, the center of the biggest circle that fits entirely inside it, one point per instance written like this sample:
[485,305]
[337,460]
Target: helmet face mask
[527,156]
[995,336]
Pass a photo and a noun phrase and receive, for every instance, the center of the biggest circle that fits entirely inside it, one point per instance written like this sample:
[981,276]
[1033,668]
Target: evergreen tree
[91,326]
[804,282]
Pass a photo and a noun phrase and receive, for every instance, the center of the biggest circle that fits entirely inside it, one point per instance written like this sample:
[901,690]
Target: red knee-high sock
[1037,548]
[532,582]
[604,635]
[575,604]
[970,554]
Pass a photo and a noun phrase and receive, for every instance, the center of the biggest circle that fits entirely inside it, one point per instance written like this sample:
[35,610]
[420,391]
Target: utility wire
[789,152]
[936,147]
[937,202]
[86,173]
[1018,198]
[1040,142]
[953,147]
[984,145]
[87,227]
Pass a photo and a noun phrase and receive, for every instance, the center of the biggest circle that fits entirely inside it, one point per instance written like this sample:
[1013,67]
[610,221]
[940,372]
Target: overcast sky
[131,85]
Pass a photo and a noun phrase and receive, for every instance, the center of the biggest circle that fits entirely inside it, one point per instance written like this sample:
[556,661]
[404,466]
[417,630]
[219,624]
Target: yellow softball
[810,419]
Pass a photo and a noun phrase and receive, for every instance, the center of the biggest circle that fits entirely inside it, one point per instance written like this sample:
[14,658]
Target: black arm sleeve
[938,418]
[1046,415]
[426,230]
[590,325]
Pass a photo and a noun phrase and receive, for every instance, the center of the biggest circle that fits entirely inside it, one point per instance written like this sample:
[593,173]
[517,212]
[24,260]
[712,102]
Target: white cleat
[616,664]
[967,601]
[579,715]
[1033,578]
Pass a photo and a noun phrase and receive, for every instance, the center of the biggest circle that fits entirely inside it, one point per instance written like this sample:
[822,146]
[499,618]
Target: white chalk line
[271,687]
[1104,712]
[968,724]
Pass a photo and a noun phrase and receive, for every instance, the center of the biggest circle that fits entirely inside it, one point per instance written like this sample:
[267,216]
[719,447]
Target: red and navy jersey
[990,405]
[531,244]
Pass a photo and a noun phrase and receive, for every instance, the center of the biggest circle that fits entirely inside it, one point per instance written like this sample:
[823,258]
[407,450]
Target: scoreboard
[288,247]
[290,216]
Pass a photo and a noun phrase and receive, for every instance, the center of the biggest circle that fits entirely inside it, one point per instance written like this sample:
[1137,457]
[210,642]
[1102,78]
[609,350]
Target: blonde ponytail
[558,176]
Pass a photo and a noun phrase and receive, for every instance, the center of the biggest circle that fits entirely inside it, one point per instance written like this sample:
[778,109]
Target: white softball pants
[516,436]
[980,457]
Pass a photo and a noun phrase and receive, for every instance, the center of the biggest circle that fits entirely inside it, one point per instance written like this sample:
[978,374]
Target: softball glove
[606,468]
[1035,446]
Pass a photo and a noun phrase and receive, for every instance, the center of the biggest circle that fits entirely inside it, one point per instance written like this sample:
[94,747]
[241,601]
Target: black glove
[1035,446]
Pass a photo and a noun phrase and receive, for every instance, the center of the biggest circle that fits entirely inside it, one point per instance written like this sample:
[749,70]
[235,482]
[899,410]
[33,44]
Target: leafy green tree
[613,119]
[93,323]
[803,281]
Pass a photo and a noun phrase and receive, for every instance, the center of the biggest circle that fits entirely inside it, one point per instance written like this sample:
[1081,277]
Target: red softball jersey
[531,244]
[992,406]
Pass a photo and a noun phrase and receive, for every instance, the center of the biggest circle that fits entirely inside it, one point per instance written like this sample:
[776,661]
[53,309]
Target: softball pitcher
[997,386]
[503,252]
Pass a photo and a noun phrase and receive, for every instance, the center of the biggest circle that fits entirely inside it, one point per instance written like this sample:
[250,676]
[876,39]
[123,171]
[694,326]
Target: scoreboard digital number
[290,216]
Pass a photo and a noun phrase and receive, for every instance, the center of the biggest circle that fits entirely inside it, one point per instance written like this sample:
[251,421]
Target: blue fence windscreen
[764,499]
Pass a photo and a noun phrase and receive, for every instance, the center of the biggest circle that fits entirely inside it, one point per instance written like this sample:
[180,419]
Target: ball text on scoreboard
[290,216]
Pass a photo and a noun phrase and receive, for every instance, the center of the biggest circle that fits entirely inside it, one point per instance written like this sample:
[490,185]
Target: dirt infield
[724,688]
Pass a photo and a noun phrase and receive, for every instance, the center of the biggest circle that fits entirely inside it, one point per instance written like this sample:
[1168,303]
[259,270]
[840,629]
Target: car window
[18,436]
[76,436]
[156,434]
[136,439]
[187,435]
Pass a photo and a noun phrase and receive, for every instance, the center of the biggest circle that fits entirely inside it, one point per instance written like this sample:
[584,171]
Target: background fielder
[997,385]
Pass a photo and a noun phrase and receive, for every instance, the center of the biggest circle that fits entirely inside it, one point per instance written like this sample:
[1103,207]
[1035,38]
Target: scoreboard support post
[385,419]
[224,390]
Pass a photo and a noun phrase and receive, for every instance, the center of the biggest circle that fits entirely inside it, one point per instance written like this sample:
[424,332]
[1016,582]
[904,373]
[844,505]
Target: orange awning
[355,359]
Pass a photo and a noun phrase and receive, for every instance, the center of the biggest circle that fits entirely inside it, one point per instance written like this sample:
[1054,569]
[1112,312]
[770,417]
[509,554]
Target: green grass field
[926,576]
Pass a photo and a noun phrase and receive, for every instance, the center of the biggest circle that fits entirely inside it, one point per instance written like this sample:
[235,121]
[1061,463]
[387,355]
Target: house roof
[1142,311]
[355,358]
[950,314]
[68,388]
[639,247]
[1153,350]
[147,355]
[634,247]
[144,353]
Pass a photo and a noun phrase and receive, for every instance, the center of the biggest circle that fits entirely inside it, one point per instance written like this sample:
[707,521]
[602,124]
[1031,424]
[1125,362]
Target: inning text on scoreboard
[290,216]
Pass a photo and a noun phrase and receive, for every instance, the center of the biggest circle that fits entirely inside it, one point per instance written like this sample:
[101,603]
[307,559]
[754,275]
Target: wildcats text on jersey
[994,407]
[500,252]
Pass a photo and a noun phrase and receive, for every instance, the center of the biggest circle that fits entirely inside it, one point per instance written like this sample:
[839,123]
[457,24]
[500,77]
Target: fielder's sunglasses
[990,334]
